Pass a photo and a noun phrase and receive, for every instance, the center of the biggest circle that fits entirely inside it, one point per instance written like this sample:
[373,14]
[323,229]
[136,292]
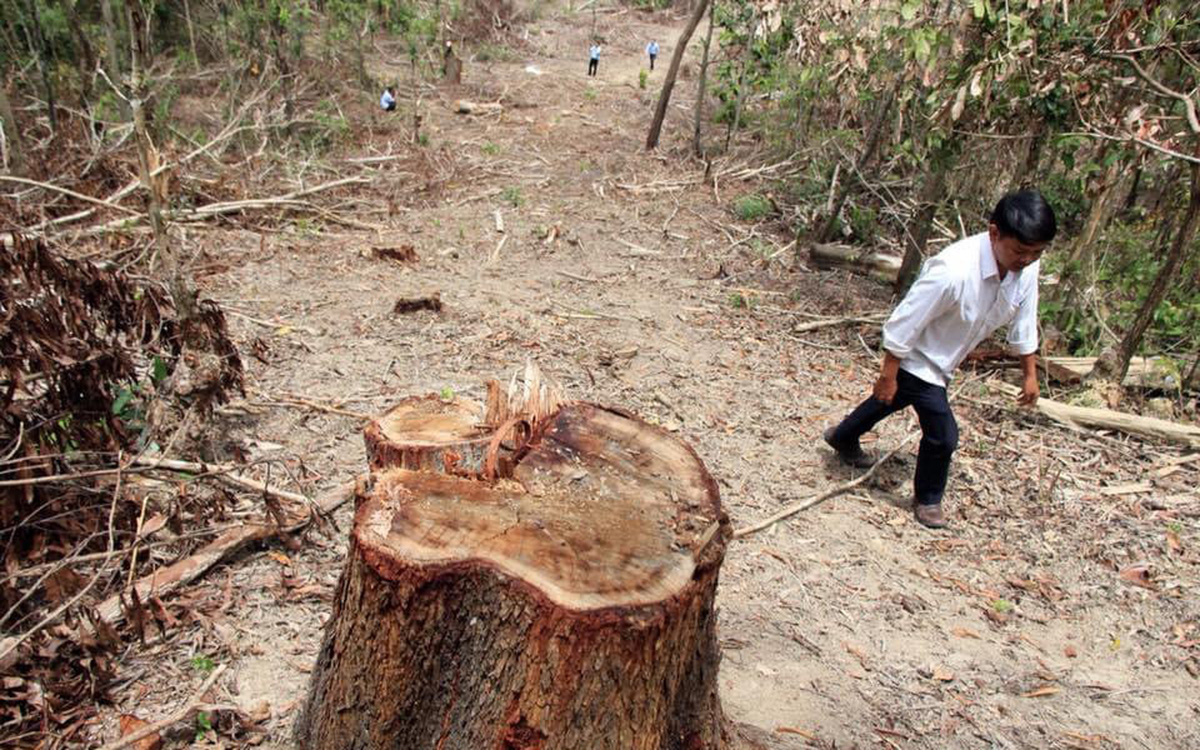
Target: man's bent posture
[963,294]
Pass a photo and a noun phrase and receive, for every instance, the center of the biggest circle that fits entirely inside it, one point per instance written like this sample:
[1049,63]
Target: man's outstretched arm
[1029,386]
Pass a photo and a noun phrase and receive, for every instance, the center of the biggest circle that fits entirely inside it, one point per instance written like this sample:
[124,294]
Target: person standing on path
[652,50]
[593,58]
[963,294]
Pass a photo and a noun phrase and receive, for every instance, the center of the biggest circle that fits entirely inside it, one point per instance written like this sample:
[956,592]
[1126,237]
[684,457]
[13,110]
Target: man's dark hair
[1027,216]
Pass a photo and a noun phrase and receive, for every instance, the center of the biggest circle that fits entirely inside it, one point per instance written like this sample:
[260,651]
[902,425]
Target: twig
[65,191]
[183,712]
[807,503]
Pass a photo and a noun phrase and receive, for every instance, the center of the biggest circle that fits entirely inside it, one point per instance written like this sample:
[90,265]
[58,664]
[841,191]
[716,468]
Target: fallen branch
[191,568]
[1107,419]
[180,714]
[816,324]
[65,191]
[432,302]
[807,503]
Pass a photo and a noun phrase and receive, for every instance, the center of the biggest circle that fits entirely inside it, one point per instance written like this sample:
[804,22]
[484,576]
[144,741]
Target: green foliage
[751,207]
[491,149]
[512,196]
[643,77]
[590,94]
[491,52]
[203,664]
[447,393]
[203,725]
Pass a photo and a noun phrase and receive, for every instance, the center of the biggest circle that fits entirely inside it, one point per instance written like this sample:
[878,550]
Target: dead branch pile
[84,353]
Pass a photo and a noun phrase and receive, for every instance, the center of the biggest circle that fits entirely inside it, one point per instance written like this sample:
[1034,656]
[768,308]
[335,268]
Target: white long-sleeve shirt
[959,300]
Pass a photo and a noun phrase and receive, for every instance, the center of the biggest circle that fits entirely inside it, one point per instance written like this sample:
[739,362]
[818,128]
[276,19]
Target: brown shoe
[856,456]
[930,515]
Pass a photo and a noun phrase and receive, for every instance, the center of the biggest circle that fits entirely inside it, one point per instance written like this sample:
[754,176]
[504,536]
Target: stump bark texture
[569,606]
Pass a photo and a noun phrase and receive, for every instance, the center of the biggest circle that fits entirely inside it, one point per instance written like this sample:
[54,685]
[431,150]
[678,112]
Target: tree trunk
[183,295]
[664,97]
[37,46]
[874,135]
[570,608]
[1028,176]
[87,56]
[429,433]
[187,16]
[14,153]
[1114,370]
[111,52]
[702,88]
[920,225]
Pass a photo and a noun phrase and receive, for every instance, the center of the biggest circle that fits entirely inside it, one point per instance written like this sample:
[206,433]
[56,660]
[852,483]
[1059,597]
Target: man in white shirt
[388,100]
[963,294]
[652,51]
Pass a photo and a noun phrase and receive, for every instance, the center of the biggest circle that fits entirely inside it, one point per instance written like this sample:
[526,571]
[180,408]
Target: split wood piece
[464,107]
[877,265]
[1107,419]
[415,304]
[1144,372]
[1048,365]
[818,324]
[429,433]
[190,568]
[402,254]
[571,607]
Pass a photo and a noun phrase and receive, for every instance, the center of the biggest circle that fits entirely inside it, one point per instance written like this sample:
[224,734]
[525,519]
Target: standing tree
[664,96]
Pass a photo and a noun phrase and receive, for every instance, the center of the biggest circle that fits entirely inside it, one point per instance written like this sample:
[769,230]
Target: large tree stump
[571,606]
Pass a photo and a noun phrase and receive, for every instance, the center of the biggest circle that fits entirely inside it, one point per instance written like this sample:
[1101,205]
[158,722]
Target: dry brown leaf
[279,557]
[1139,575]
[1042,692]
[1173,542]
[1070,652]
[965,633]
[131,724]
[943,674]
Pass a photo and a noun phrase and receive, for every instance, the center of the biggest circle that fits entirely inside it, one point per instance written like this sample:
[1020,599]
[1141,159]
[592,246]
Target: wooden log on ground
[429,433]
[1107,419]
[877,265]
[569,607]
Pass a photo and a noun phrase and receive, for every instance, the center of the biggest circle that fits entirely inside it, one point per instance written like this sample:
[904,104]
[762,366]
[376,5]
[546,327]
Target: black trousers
[592,65]
[391,107]
[652,61]
[939,431]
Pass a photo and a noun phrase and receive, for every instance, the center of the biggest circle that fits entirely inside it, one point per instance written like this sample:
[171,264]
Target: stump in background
[569,606]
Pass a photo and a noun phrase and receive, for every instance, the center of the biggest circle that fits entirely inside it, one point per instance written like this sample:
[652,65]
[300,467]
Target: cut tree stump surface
[429,433]
[569,606]
[603,512]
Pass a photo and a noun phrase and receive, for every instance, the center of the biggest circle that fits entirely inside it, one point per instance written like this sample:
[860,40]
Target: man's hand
[885,389]
[1029,387]
[1029,392]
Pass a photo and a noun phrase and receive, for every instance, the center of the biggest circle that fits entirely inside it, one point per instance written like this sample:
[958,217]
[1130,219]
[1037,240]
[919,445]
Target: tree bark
[1115,370]
[874,135]
[569,607]
[664,97]
[429,433]
[37,45]
[702,88]
[920,225]
[187,15]
[14,150]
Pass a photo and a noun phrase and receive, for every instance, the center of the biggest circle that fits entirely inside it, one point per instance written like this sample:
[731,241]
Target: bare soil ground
[1056,611]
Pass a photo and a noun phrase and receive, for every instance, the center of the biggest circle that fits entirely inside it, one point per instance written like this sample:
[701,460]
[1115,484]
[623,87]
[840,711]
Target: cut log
[569,607]
[877,265]
[1107,419]
[464,107]
[429,433]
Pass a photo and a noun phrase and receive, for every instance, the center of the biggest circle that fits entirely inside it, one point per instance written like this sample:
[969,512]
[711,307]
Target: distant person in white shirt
[963,294]
[388,100]
[652,50]
[593,59]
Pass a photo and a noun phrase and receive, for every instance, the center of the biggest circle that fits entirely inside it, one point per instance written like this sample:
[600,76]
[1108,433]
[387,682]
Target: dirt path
[848,625]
